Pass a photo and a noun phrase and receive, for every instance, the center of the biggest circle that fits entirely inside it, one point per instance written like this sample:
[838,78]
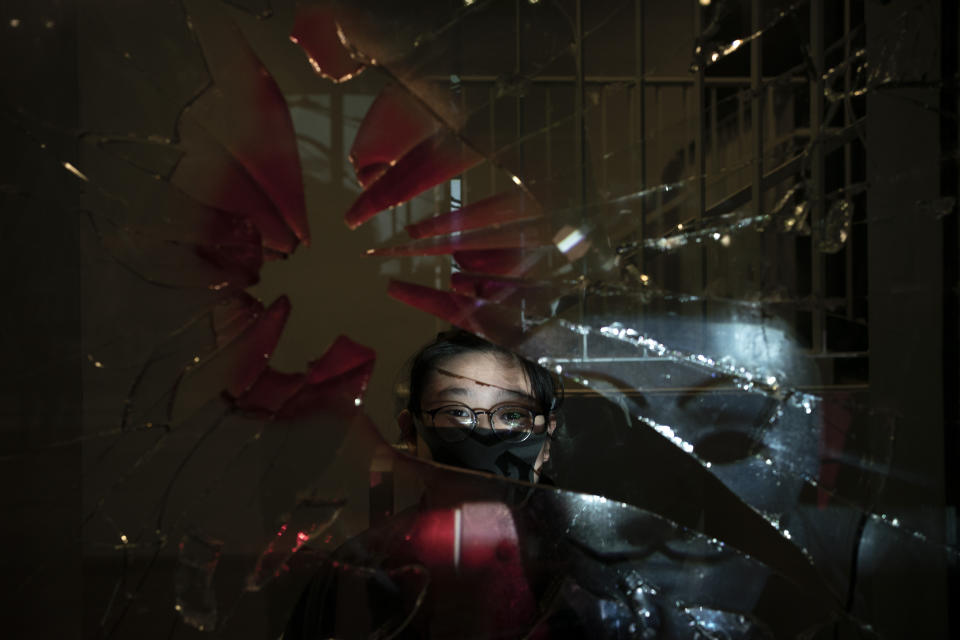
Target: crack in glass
[678,230]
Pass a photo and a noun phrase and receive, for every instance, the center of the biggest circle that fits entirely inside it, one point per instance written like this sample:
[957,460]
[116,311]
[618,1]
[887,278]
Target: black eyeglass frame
[491,413]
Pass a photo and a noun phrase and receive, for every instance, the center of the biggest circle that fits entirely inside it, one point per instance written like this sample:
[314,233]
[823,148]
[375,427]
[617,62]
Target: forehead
[476,375]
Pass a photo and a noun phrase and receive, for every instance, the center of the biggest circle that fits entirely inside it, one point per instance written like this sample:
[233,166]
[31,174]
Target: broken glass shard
[395,123]
[499,209]
[315,30]
[939,208]
[509,262]
[335,381]
[437,159]
[309,520]
[247,114]
[523,234]
[835,228]
[197,560]
[235,368]
[209,172]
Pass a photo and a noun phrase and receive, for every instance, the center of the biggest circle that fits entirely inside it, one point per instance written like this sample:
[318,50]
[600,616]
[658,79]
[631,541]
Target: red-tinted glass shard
[233,245]
[249,116]
[491,558]
[271,391]
[432,538]
[253,348]
[342,394]
[237,366]
[837,420]
[476,286]
[309,520]
[185,264]
[166,236]
[535,233]
[211,175]
[395,123]
[233,316]
[479,544]
[334,382]
[468,313]
[536,296]
[343,355]
[435,160]
[315,30]
[233,369]
[498,261]
[495,210]
[269,255]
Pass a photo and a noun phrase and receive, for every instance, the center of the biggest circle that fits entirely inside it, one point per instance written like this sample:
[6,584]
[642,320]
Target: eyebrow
[462,391]
[502,393]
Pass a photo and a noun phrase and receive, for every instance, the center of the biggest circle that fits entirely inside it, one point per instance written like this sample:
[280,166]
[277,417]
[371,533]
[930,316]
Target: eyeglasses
[455,422]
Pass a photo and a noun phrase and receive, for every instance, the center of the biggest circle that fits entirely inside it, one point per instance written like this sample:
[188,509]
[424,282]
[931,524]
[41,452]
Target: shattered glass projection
[729,227]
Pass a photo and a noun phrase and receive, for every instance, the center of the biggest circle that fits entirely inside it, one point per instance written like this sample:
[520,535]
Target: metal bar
[492,95]
[756,106]
[516,37]
[640,90]
[578,138]
[688,391]
[687,134]
[518,103]
[770,120]
[336,135]
[817,177]
[770,242]
[847,159]
[698,112]
[718,81]
[845,355]
[742,196]
[632,138]
[548,143]
[740,128]
[700,159]
[756,112]
[604,174]
[579,134]
[784,170]
[464,183]
[548,136]
[720,258]
[714,132]
[659,131]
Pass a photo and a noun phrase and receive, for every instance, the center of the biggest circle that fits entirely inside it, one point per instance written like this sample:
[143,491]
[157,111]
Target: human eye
[454,416]
[516,417]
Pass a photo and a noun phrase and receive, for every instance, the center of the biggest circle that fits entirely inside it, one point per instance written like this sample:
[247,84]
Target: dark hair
[547,389]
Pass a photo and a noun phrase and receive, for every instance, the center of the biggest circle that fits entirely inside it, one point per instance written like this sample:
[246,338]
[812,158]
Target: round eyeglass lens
[453,423]
[513,423]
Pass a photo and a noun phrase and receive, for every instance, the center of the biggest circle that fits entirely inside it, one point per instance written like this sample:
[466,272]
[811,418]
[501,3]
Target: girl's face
[481,381]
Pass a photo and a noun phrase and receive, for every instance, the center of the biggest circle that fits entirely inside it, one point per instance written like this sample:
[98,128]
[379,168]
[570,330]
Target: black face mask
[487,453]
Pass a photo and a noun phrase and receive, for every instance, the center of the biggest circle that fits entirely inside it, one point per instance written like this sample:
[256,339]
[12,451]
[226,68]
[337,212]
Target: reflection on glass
[727,227]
